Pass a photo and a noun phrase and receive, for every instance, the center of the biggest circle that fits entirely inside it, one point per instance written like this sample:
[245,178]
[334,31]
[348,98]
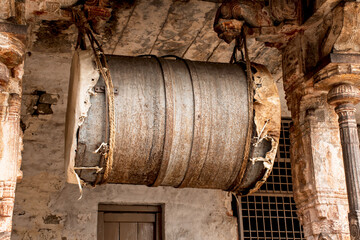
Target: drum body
[178,123]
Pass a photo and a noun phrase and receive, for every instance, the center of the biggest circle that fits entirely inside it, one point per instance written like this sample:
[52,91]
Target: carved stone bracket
[335,68]
[276,22]
[279,22]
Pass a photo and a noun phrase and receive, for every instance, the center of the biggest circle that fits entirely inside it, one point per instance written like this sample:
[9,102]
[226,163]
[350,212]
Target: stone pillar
[320,45]
[12,51]
[318,173]
[324,55]
[344,97]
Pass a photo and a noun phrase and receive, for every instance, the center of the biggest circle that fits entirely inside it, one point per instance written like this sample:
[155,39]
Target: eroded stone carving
[284,10]
[231,15]
[276,23]
[349,38]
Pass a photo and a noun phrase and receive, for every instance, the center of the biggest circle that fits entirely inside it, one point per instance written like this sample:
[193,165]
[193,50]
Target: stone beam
[12,51]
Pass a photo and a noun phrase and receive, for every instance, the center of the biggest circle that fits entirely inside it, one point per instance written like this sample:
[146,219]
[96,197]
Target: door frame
[157,209]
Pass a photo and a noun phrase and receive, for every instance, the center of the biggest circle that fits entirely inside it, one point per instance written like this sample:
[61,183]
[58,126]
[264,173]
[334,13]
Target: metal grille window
[271,212]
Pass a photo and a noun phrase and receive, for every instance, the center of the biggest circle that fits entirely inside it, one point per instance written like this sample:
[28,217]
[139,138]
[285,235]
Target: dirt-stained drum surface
[179,123]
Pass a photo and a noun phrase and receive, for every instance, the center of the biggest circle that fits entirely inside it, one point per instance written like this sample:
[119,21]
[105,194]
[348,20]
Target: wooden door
[129,223]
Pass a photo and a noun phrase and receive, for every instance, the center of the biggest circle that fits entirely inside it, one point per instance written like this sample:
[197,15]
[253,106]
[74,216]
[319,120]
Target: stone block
[49,98]
[43,108]
[28,104]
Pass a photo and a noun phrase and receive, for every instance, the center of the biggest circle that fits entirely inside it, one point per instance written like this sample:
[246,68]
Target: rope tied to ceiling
[242,48]
[107,148]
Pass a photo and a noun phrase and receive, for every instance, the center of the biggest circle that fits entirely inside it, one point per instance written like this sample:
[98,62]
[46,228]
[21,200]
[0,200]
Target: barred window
[270,213]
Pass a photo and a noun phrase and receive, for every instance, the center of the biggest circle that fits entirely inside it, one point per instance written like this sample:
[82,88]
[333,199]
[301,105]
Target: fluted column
[344,97]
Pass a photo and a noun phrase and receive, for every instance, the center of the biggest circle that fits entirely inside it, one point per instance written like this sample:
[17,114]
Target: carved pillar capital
[343,94]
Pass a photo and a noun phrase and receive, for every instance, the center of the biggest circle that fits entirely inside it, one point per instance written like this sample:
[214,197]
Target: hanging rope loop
[102,66]
[241,46]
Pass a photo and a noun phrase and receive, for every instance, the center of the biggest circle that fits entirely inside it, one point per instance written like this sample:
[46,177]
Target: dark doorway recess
[130,222]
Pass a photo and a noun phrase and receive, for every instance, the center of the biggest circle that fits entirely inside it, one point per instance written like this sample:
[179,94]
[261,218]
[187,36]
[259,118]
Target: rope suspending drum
[180,123]
[107,149]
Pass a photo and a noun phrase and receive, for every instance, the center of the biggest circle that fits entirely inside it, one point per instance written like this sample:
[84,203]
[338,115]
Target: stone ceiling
[160,27]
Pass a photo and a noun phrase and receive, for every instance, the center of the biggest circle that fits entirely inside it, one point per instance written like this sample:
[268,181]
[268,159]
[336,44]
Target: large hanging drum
[178,123]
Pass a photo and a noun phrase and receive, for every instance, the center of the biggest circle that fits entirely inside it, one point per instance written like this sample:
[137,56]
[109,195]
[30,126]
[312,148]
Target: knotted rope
[240,44]
[102,65]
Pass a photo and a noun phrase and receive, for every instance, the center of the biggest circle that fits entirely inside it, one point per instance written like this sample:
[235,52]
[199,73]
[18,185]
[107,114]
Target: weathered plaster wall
[47,208]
